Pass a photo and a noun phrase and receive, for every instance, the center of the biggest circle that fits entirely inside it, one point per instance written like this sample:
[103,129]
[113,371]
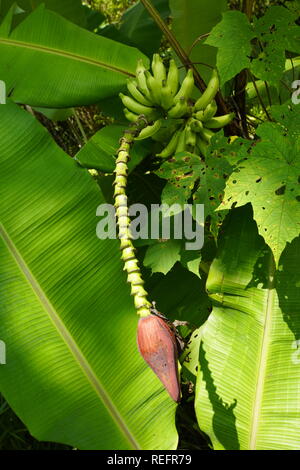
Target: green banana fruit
[134,91]
[180,109]
[210,110]
[158,69]
[220,121]
[201,145]
[190,138]
[141,79]
[154,88]
[196,125]
[186,88]
[166,97]
[138,108]
[149,131]
[173,78]
[209,93]
[168,128]
[206,134]
[181,142]
[132,117]
[170,149]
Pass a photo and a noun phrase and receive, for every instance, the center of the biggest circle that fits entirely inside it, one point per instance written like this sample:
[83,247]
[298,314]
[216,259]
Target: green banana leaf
[138,28]
[73,373]
[100,151]
[73,10]
[191,19]
[248,387]
[50,62]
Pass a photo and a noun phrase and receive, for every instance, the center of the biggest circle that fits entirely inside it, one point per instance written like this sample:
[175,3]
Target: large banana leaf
[73,10]
[191,20]
[48,61]
[138,28]
[248,389]
[73,372]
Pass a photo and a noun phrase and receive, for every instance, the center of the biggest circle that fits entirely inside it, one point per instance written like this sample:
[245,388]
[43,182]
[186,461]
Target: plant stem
[131,265]
[174,43]
[260,98]
[242,78]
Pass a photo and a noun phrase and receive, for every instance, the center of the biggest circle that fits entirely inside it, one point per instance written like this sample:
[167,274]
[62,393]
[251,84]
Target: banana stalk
[156,339]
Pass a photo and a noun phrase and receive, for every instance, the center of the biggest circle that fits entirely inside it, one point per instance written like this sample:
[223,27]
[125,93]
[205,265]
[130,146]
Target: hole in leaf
[280,190]
[258,180]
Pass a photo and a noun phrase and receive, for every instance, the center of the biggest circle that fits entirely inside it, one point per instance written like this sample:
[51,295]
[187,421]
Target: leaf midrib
[69,55]
[67,338]
[262,361]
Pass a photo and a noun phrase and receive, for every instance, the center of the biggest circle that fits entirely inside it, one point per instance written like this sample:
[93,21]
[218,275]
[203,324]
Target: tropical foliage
[73,372]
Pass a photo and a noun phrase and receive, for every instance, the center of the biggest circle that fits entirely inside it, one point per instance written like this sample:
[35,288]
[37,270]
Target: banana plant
[247,394]
[77,366]
[71,65]
[79,380]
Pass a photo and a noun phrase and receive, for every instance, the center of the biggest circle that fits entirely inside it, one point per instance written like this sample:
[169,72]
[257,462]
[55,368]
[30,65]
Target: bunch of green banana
[157,96]
[195,134]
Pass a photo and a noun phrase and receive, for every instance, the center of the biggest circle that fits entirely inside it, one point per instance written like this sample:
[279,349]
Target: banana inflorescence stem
[131,265]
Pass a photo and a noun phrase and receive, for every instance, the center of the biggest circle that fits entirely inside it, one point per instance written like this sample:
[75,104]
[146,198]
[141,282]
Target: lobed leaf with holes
[269,179]
[202,182]
[162,256]
[232,36]
[275,33]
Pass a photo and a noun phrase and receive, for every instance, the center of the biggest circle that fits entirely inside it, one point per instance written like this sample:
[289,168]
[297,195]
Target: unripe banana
[141,79]
[149,131]
[181,142]
[130,116]
[206,134]
[154,88]
[202,145]
[158,69]
[167,99]
[186,88]
[209,93]
[172,78]
[196,125]
[190,138]
[138,108]
[220,121]
[170,149]
[180,109]
[210,110]
[137,95]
